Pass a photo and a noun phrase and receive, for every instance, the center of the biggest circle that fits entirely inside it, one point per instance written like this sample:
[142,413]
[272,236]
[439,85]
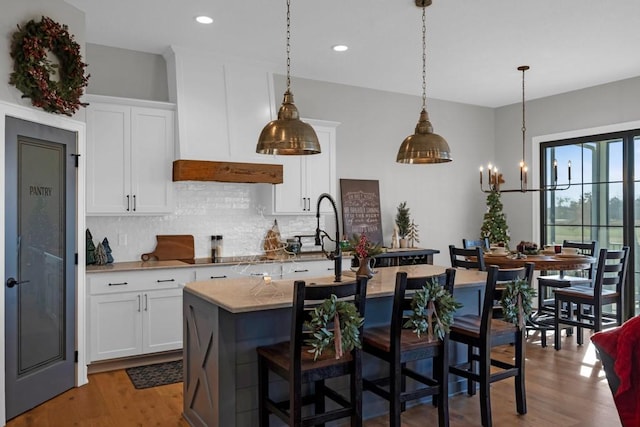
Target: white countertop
[254,294]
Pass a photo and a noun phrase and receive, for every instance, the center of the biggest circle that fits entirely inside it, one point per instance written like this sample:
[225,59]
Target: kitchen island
[226,319]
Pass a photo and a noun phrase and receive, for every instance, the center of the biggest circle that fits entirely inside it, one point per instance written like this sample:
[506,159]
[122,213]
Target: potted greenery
[403,222]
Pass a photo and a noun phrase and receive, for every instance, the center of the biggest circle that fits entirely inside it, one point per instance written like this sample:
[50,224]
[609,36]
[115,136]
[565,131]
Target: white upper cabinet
[307,177]
[222,105]
[130,150]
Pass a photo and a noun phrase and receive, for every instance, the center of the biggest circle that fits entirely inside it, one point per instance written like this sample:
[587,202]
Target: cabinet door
[289,197]
[152,153]
[307,177]
[162,320]
[108,160]
[116,325]
[320,169]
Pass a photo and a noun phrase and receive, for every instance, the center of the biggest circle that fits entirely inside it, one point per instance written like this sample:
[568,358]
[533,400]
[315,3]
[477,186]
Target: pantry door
[40,223]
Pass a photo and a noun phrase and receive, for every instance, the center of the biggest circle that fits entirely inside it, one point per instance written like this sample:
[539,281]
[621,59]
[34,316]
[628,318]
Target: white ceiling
[473,46]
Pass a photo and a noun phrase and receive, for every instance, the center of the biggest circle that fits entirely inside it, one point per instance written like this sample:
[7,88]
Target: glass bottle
[216,248]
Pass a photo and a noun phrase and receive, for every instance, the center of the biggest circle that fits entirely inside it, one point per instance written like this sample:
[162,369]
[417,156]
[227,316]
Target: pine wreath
[346,334]
[32,70]
[433,308]
[516,302]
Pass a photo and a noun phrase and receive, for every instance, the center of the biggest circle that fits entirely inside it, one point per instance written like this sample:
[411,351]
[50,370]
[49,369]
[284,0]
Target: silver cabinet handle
[301,271]
[218,277]
[134,202]
[138,303]
[146,302]
[128,203]
[118,284]
[165,280]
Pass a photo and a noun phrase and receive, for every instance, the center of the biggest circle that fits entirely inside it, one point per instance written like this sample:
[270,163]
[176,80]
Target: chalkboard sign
[361,208]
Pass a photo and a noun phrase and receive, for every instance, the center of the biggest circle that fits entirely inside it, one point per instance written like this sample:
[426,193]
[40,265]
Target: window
[603,202]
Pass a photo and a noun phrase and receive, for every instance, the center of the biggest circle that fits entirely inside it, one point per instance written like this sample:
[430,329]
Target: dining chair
[481,333]
[472,258]
[608,288]
[471,243]
[292,361]
[507,275]
[563,280]
[397,347]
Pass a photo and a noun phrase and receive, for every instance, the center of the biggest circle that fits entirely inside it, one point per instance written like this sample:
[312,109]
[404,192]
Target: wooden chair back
[404,291]
[611,273]
[585,248]
[467,258]
[482,243]
[307,297]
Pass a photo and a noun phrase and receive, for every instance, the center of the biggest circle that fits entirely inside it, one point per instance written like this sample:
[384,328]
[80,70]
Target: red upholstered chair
[619,351]
[398,346]
[292,361]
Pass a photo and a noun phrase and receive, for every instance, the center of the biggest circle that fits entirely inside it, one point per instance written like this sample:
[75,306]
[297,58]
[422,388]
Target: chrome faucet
[336,255]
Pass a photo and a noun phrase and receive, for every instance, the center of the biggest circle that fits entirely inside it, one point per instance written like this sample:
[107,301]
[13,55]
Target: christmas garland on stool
[346,321]
[32,69]
[432,311]
[516,302]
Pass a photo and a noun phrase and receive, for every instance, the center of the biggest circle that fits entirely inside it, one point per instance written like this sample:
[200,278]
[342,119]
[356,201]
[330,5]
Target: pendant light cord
[288,45]
[424,58]
[524,128]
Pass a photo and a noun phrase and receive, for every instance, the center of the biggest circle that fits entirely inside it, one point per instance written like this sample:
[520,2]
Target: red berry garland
[32,70]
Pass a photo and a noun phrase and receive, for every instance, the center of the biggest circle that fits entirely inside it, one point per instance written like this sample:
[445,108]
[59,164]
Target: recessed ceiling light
[340,47]
[203,19]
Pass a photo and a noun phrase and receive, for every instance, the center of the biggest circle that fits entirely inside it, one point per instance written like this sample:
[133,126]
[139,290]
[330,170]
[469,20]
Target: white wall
[126,73]
[604,105]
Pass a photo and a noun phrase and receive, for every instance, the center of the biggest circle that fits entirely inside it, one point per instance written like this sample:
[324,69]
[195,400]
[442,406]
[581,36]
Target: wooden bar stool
[481,334]
[397,347]
[292,361]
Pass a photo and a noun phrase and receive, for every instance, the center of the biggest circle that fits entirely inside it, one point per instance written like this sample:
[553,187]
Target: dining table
[544,262]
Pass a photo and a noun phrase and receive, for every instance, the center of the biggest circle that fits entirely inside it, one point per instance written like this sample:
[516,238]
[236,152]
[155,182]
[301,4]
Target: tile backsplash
[202,209]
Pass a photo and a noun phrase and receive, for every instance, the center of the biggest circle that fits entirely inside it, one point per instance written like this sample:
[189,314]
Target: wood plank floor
[565,388]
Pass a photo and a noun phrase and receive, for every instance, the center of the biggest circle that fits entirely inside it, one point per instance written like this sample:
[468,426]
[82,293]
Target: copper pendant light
[288,135]
[424,146]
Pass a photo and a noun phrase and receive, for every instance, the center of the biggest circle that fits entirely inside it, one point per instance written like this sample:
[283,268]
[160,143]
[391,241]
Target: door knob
[11,282]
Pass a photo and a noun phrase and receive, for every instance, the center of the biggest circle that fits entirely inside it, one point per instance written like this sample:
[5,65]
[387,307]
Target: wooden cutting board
[170,247]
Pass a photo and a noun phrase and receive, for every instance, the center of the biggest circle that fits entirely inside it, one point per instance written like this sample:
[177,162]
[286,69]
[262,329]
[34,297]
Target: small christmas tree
[495,225]
[412,234]
[403,221]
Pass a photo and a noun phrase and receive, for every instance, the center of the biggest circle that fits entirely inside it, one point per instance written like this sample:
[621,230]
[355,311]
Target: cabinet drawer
[137,281]
[217,272]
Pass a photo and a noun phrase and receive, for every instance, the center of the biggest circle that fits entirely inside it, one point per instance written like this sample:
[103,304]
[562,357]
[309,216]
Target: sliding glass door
[603,202]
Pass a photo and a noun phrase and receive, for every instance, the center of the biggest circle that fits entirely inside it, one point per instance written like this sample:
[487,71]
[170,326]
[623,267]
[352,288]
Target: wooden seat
[397,347]
[480,243]
[563,280]
[472,258]
[608,288]
[293,362]
[481,334]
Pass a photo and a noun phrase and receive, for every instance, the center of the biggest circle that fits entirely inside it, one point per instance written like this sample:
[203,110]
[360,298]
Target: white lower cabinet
[136,312]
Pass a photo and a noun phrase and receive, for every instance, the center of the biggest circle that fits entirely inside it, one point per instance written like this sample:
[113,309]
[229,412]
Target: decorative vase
[364,267]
